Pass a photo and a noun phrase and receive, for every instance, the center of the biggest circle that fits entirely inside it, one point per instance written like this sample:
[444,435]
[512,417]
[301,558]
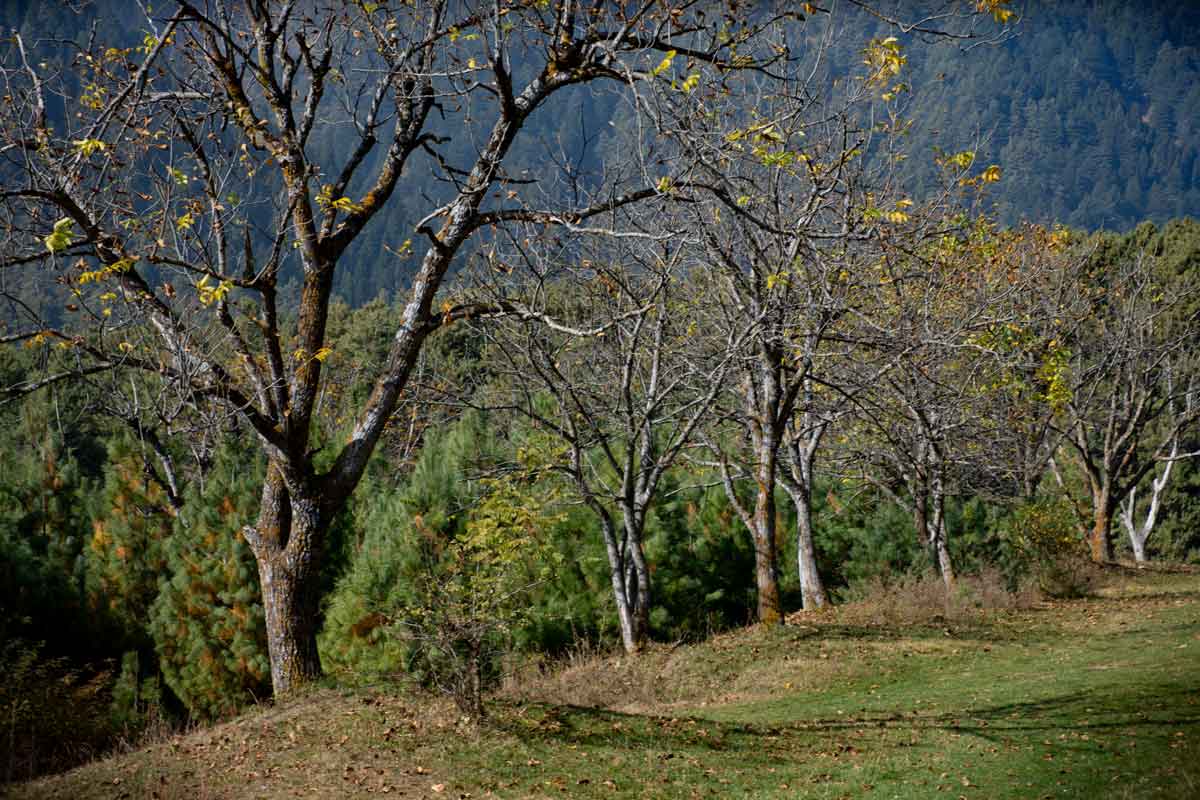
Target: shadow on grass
[1151,711]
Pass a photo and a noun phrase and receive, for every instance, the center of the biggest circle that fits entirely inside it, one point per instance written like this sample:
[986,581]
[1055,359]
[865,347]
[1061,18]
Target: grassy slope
[1096,699]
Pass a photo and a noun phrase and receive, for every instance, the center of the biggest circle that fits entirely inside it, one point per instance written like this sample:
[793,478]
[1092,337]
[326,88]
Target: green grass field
[1096,698]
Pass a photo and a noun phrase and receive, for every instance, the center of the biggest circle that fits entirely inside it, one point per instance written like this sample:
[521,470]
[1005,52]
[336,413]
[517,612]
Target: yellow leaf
[991,174]
[89,146]
[665,64]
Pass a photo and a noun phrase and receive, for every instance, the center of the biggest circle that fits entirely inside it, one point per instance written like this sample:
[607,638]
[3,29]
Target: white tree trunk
[1138,534]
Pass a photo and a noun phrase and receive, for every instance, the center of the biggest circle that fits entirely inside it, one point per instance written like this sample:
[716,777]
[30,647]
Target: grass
[1096,698]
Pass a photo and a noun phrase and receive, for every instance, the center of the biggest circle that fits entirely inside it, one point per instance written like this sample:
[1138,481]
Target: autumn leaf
[665,64]
[62,236]
[88,146]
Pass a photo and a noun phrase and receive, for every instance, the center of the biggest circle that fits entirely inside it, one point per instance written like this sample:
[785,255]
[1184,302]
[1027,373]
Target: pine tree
[127,552]
[207,622]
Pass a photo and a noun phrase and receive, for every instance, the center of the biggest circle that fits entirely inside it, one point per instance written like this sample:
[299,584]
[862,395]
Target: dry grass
[923,599]
[326,744]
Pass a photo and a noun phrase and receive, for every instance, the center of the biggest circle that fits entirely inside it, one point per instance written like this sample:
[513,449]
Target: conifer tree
[127,551]
[207,622]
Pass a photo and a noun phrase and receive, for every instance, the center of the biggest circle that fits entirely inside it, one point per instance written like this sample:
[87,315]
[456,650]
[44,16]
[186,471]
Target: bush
[207,621]
[1044,542]
[470,595]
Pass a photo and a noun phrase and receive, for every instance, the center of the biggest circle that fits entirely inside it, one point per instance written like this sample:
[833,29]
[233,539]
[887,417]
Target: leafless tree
[182,186]
[945,311]
[1129,385]
[601,354]
[1139,531]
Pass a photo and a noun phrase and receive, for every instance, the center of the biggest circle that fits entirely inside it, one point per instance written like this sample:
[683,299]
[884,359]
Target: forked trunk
[938,540]
[1139,548]
[633,612]
[640,585]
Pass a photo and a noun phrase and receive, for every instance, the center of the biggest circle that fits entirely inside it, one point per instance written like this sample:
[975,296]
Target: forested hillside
[1090,110]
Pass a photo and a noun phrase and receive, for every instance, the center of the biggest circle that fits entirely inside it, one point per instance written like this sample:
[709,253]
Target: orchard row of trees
[623,509]
[739,297]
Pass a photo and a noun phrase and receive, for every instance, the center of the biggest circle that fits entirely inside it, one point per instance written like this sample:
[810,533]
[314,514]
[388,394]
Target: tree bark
[633,632]
[766,569]
[290,606]
[812,589]
[287,544]
[938,543]
[641,582]
[1101,543]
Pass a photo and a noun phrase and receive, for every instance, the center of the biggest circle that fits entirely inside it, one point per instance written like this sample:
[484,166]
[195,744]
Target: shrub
[207,621]
[1043,541]
[52,716]
[470,594]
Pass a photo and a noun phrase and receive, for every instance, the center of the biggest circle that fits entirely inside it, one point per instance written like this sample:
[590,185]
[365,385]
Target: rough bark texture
[1100,540]
[290,607]
[287,545]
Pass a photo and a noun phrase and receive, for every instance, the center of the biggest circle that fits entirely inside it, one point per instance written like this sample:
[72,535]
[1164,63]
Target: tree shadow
[1162,710]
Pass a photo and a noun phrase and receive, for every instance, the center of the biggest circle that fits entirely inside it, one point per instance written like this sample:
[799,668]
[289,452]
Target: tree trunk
[812,589]
[631,635]
[766,569]
[641,582]
[920,512]
[290,604]
[1138,534]
[938,539]
[1139,548]
[287,544]
[1101,544]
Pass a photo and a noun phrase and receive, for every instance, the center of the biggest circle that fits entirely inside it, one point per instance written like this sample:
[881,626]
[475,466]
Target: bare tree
[944,311]
[1130,380]
[183,187]
[1139,532]
[792,212]
[601,355]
